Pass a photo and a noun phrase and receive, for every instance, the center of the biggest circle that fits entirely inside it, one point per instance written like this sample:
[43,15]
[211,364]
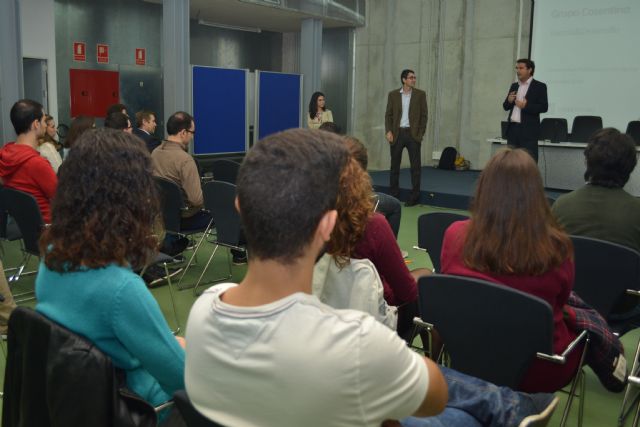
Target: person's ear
[326,224]
[237,204]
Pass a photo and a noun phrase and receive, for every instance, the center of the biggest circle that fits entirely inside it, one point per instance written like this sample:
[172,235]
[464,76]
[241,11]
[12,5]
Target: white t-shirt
[297,362]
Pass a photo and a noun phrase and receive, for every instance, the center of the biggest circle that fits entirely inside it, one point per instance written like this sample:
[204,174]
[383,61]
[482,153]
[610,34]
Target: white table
[562,165]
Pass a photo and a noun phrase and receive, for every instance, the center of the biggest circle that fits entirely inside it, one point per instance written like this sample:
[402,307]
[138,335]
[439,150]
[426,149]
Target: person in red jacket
[21,166]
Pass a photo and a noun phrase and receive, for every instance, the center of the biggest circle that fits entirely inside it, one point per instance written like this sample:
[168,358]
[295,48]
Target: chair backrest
[356,286]
[554,129]
[583,127]
[490,331]
[55,377]
[172,202]
[189,413]
[225,170]
[25,211]
[604,271]
[219,199]
[633,130]
[431,228]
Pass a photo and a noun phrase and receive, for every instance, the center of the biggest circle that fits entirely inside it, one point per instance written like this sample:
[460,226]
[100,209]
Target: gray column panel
[175,56]
[11,87]
[310,56]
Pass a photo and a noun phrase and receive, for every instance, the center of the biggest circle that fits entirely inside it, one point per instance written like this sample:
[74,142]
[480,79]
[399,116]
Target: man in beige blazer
[405,124]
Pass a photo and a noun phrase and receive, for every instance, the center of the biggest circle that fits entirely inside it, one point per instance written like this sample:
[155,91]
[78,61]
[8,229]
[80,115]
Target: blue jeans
[390,207]
[475,402]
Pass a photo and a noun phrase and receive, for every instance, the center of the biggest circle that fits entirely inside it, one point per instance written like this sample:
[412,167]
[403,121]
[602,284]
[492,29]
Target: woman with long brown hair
[47,145]
[104,220]
[513,239]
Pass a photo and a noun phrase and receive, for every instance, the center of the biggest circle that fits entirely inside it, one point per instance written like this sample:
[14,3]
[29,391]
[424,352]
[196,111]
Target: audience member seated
[21,166]
[104,226]
[145,128]
[118,121]
[362,233]
[512,239]
[601,208]
[117,108]
[266,352]
[47,145]
[78,126]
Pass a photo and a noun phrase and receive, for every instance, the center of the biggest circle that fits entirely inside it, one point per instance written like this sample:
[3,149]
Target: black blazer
[151,141]
[536,103]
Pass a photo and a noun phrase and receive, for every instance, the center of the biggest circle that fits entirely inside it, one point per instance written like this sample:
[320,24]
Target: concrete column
[175,57]
[310,56]
[11,86]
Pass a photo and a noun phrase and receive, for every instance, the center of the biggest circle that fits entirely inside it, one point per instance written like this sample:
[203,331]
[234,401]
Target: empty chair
[553,129]
[225,170]
[583,127]
[633,130]
[431,228]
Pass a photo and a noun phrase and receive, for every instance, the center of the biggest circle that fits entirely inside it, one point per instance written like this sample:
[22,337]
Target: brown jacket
[170,161]
[417,114]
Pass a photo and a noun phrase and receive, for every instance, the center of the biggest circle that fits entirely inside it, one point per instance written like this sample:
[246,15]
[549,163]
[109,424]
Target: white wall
[39,41]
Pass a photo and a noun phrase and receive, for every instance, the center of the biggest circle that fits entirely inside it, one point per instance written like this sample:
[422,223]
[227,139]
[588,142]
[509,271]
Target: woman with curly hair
[318,113]
[362,233]
[102,228]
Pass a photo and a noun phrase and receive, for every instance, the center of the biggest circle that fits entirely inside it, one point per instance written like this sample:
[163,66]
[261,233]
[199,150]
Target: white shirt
[297,362]
[406,100]
[522,92]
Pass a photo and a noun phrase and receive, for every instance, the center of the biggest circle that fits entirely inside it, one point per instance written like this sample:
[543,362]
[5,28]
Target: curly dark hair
[610,157]
[355,207]
[105,207]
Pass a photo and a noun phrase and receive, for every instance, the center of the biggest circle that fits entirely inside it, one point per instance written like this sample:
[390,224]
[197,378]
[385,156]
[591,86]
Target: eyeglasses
[192,132]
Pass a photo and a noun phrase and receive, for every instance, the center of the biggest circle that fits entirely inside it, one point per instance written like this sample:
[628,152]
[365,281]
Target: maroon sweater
[553,287]
[379,245]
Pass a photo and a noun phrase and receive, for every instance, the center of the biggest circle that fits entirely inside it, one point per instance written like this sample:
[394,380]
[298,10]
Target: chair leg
[193,255]
[23,264]
[627,400]
[572,391]
[195,289]
[173,302]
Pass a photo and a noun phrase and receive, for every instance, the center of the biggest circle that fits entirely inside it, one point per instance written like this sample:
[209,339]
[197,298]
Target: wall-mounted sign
[102,52]
[79,51]
[141,56]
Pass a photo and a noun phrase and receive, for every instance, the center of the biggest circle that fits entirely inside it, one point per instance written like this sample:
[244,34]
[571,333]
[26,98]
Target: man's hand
[521,103]
[389,137]
[511,97]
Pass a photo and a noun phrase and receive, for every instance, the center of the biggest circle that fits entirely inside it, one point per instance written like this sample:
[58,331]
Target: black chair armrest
[562,358]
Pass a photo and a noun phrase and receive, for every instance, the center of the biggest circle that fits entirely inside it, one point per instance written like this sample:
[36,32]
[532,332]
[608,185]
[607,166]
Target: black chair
[554,130]
[173,205]
[431,228]
[491,331]
[219,199]
[225,170]
[189,413]
[24,209]
[54,377]
[633,130]
[583,127]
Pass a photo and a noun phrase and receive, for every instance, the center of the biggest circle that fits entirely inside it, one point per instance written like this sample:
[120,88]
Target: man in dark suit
[405,125]
[145,127]
[527,98]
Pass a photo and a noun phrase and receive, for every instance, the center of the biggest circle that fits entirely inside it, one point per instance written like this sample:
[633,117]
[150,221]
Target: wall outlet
[436,155]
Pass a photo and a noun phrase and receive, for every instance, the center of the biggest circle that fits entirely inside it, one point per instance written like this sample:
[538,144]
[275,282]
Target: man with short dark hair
[405,124]
[601,208]
[266,352]
[21,166]
[527,98]
[145,128]
[172,161]
[115,108]
[118,121]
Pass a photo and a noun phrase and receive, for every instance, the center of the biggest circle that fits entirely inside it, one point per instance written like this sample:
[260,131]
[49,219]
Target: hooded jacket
[22,168]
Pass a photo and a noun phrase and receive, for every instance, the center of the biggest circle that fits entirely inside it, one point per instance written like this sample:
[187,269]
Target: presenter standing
[318,114]
[527,98]
[405,124]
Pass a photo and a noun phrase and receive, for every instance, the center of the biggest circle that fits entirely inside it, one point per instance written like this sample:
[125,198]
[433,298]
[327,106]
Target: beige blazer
[315,123]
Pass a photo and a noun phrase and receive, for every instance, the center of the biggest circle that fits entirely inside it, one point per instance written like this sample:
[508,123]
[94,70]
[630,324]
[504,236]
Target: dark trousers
[413,148]
[521,137]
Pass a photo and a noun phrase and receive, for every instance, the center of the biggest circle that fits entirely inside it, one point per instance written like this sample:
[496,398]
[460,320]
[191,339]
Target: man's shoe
[239,259]
[155,275]
[411,202]
[542,418]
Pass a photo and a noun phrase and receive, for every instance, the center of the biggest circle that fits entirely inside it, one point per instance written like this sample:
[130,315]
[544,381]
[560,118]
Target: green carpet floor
[601,407]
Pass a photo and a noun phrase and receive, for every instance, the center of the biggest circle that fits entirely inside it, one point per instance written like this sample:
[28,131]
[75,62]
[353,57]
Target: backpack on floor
[448,159]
